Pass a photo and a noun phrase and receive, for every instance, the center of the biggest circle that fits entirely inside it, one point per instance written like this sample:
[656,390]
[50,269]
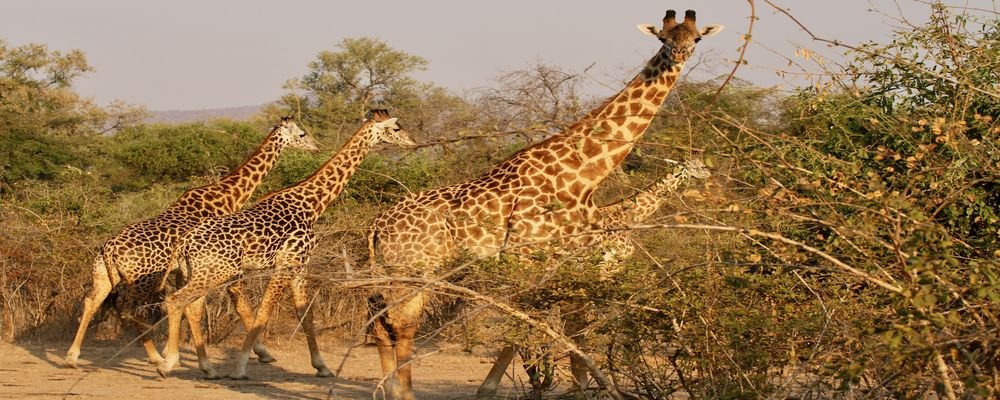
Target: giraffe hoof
[162,372]
[212,377]
[266,359]
[70,363]
[242,377]
[324,373]
[155,361]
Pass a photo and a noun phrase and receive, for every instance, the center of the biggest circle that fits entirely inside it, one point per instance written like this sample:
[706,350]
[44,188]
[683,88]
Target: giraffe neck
[244,180]
[324,185]
[231,192]
[613,129]
[597,144]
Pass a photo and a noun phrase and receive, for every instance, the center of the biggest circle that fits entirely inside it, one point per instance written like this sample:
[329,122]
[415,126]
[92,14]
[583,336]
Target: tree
[43,121]
[342,85]
[541,97]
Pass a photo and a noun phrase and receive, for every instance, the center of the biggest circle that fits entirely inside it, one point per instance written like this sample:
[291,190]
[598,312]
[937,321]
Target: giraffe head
[694,168]
[388,131]
[679,38]
[288,133]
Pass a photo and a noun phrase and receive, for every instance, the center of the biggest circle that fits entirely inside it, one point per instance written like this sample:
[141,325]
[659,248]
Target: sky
[197,54]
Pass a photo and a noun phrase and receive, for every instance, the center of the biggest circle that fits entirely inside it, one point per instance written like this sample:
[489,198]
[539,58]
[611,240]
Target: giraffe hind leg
[488,388]
[271,295]
[239,299]
[195,313]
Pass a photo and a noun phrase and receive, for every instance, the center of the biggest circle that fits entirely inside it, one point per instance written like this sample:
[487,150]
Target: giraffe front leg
[305,314]
[239,299]
[581,377]
[490,385]
[174,305]
[102,286]
[141,302]
[195,312]
[274,288]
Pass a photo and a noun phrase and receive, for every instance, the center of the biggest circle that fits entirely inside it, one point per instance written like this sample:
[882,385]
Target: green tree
[894,171]
[342,85]
[44,124]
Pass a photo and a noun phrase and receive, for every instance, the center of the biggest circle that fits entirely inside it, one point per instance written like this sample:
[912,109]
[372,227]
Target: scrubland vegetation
[845,246]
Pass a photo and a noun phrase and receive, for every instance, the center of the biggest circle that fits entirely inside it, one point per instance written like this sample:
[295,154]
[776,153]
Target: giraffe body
[276,235]
[538,199]
[135,260]
[610,239]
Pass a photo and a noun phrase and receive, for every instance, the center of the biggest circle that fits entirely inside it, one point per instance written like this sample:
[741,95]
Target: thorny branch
[747,37]
[894,60]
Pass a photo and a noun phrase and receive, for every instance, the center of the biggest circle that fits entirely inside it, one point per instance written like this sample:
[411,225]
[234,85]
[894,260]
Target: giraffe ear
[709,30]
[389,122]
[649,29]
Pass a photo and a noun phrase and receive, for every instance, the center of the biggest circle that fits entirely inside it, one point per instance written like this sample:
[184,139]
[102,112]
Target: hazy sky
[193,54]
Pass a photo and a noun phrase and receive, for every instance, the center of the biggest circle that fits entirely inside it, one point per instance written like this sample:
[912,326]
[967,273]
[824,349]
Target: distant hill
[179,116]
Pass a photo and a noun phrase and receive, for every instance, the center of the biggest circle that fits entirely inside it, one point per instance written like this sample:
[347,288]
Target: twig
[893,60]
[743,50]
[773,236]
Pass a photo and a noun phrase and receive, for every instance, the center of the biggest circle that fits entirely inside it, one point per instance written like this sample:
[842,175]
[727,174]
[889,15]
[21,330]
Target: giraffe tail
[110,302]
[173,264]
[372,239]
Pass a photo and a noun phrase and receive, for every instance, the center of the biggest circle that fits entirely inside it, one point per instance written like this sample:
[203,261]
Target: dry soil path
[34,371]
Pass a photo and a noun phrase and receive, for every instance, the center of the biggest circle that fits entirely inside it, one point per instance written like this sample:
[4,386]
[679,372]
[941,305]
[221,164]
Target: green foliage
[897,178]
[145,154]
[342,85]
[25,155]
[45,126]
[385,179]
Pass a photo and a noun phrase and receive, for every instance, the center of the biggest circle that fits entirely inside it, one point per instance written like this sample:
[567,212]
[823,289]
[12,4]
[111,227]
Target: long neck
[612,130]
[231,192]
[245,179]
[597,144]
[324,185]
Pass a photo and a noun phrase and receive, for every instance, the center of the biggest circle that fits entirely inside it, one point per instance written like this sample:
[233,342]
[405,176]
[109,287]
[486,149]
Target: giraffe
[542,194]
[136,258]
[614,243]
[276,234]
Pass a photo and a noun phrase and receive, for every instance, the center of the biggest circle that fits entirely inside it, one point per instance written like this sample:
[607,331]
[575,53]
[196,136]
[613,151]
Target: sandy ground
[35,371]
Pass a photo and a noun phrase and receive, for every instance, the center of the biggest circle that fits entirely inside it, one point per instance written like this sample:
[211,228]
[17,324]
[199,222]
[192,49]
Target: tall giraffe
[275,234]
[612,239]
[541,194]
[136,258]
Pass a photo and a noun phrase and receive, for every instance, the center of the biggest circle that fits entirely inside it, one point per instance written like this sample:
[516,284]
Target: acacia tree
[342,85]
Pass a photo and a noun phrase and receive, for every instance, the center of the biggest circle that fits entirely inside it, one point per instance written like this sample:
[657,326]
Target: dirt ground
[35,371]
